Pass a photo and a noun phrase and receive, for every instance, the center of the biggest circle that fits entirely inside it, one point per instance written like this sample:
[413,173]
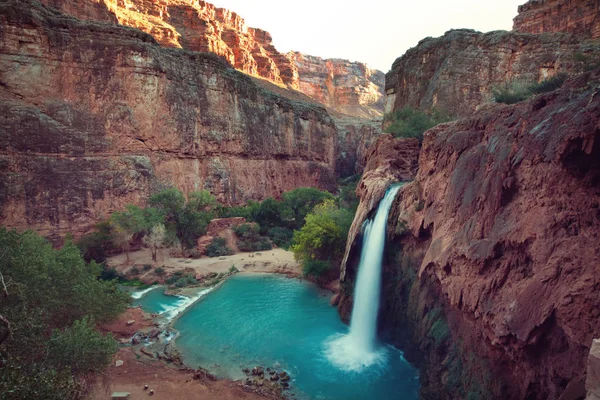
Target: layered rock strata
[580,17]
[492,259]
[346,87]
[94,116]
[458,72]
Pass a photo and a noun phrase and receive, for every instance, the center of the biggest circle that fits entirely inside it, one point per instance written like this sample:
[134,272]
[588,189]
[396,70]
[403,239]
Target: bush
[515,92]
[147,267]
[323,237]
[315,268]
[282,237]
[134,271]
[411,123]
[250,239]
[159,271]
[98,244]
[218,247]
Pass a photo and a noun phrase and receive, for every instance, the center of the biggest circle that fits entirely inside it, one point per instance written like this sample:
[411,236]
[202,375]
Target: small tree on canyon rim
[155,239]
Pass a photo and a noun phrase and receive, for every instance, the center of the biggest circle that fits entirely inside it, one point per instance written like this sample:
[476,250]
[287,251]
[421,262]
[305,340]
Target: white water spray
[359,348]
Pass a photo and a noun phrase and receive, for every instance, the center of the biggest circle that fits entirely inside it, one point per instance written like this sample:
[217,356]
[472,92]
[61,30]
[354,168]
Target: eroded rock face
[347,87]
[389,160]
[457,73]
[95,116]
[355,136]
[592,382]
[580,17]
[496,248]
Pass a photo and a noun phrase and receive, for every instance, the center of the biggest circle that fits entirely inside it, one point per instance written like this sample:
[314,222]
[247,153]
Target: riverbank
[270,261]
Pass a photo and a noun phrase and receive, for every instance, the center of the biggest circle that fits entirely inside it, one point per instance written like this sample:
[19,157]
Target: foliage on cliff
[50,301]
[514,92]
[412,123]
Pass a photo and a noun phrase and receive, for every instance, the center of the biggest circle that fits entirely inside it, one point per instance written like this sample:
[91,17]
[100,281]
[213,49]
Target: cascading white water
[359,349]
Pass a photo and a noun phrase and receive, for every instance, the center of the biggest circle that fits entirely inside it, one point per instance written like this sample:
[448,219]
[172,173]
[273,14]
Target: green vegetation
[322,238]
[514,92]
[50,300]
[411,123]
[218,247]
[250,239]
[590,62]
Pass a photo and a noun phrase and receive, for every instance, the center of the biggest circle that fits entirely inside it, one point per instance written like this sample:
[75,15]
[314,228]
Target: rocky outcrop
[580,17]
[346,87]
[492,259]
[457,73]
[95,116]
[198,26]
[355,136]
[389,160]
[220,227]
[592,382]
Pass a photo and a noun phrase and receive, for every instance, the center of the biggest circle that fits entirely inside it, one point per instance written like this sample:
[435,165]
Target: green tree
[300,202]
[323,237]
[269,214]
[43,292]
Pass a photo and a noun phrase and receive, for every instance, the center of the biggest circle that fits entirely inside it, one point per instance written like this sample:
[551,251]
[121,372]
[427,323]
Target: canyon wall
[491,268]
[346,87]
[94,116]
[457,73]
[580,17]
[343,86]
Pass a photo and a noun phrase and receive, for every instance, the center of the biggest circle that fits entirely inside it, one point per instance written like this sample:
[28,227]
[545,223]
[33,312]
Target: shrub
[548,85]
[515,92]
[134,271]
[250,239]
[315,268]
[282,237]
[159,271]
[147,267]
[97,244]
[233,269]
[218,247]
[411,123]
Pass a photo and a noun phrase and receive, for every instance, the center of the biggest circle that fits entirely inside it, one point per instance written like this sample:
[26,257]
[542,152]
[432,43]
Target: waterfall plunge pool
[274,321]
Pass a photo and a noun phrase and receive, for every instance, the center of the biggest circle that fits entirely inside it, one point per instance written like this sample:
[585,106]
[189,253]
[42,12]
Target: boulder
[592,383]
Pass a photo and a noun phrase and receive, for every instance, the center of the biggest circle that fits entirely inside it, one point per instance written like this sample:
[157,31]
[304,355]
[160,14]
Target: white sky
[371,31]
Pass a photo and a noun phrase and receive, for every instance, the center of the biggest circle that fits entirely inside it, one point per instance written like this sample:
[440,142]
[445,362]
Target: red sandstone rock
[581,17]
[346,87]
[389,160]
[457,73]
[592,383]
[503,224]
[95,116]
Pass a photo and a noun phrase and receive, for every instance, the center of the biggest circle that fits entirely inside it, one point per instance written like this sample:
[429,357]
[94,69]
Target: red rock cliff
[94,116]
[581,17]
[346,87]
[343,86]
[457,72]
[493,249]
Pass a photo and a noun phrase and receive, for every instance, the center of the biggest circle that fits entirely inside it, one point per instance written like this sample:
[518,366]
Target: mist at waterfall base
[359,349]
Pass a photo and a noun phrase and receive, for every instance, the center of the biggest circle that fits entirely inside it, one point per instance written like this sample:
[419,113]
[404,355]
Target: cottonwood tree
[155,239]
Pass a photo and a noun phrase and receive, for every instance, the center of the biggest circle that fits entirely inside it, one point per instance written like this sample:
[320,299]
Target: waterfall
[359,348]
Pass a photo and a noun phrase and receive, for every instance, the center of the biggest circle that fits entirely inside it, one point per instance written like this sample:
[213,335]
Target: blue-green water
[284,323]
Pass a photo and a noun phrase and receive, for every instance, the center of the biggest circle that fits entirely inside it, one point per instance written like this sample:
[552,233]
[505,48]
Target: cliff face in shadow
[95,116]
[492,262]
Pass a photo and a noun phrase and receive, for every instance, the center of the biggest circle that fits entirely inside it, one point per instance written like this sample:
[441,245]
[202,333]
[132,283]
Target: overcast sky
[371,31]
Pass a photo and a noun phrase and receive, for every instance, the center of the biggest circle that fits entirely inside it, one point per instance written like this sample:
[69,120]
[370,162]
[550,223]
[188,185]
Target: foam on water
[139,294]
[172,311]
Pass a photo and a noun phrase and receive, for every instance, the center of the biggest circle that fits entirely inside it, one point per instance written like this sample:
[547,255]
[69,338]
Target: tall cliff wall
[456,73]
[347,87]
[580,17]
[492,256]
[94,116]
